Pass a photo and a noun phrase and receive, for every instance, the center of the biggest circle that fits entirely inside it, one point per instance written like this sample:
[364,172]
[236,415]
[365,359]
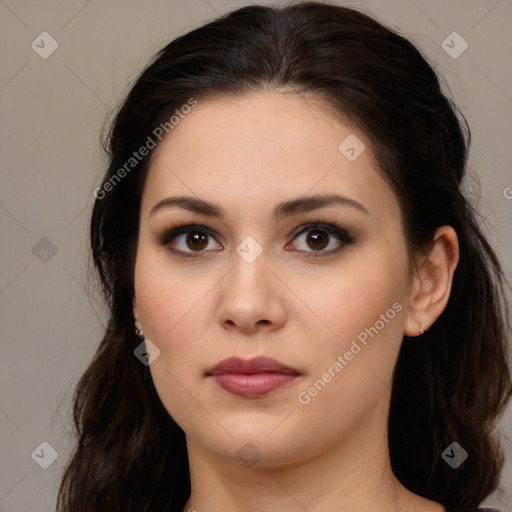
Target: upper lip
[250,366]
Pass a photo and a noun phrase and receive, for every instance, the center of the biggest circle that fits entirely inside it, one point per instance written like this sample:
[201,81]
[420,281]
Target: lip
[251,378]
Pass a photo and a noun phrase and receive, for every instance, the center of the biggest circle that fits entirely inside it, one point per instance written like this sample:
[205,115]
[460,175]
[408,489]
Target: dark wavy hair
[451,384]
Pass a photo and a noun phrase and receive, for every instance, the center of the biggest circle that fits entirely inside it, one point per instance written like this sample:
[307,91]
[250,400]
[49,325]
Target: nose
[251,297]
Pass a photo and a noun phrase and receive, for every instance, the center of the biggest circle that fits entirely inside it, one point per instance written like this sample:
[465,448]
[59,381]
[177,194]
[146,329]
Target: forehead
[266,147]
[238,125]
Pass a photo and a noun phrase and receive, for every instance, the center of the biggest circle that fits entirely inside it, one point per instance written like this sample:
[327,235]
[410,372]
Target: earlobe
[432,282]
[135,313]
[138,325]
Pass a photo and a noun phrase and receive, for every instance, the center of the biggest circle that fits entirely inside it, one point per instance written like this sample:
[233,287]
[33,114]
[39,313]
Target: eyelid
[179,229]
[343,235]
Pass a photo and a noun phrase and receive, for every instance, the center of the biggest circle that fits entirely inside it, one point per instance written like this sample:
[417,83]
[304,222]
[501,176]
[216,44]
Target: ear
[136,313]
[432,282]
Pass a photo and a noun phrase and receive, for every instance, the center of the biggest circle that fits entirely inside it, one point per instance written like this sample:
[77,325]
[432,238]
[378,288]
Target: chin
[257,450]
[252,444]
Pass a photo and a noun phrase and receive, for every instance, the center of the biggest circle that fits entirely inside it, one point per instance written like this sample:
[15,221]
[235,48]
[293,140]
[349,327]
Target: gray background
[53,110]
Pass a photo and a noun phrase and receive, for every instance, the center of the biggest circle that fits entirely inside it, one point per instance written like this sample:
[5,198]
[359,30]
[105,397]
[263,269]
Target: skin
[247,154]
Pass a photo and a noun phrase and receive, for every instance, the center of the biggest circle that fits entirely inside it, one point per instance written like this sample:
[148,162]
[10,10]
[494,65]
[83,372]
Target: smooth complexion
[246,155]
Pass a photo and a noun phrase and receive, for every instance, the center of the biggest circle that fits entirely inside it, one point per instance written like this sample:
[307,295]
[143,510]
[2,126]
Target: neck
[353,474]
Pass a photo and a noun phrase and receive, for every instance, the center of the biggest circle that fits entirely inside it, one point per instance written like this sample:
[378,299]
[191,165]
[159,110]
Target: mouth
[251,378]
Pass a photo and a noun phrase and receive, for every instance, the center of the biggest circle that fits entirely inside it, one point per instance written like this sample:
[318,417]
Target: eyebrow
[282,210]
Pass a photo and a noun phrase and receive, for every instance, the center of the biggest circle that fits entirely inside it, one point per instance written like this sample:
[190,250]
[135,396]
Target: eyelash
[339,233]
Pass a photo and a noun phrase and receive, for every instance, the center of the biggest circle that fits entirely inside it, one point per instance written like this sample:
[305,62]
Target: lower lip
[253,385]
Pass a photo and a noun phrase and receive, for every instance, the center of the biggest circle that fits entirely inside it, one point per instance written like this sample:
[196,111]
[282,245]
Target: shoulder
[485,509]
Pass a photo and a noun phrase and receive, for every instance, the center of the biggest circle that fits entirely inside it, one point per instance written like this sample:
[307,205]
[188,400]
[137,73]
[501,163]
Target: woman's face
[328,303]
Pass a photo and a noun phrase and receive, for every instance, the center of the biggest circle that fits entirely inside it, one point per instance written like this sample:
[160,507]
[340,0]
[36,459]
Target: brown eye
[196,240]
[318,236]
[317,239]
[189,241]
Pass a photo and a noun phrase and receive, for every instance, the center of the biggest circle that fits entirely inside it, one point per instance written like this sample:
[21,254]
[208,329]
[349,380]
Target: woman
[304,313]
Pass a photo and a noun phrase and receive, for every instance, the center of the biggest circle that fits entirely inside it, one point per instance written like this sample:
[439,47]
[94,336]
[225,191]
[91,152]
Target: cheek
[363,306]
[352,362]
[175,310]
[358,296]
[169,303]
[168,295]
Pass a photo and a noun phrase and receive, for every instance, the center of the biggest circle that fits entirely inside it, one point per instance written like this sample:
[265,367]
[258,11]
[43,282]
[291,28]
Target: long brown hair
[452,384]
